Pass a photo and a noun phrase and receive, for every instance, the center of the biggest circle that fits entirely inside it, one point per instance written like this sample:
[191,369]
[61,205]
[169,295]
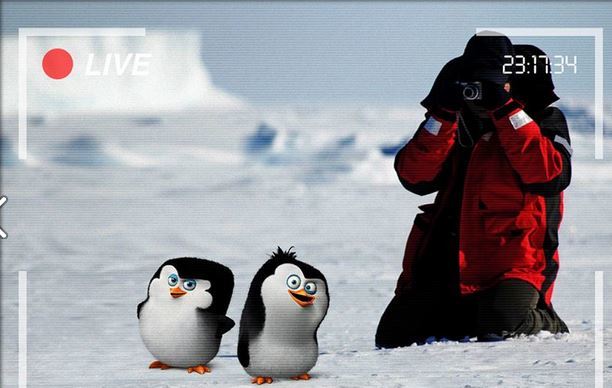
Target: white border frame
[599,332]
[23,329]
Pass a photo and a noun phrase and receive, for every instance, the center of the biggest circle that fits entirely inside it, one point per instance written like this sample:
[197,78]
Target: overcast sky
[346,52]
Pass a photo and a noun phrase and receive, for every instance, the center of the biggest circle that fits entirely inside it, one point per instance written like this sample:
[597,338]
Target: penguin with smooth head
[183,318]
[287,302]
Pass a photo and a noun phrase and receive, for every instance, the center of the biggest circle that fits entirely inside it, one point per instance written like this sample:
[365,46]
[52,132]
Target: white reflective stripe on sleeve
[520,119]
[432,125]
[563,141]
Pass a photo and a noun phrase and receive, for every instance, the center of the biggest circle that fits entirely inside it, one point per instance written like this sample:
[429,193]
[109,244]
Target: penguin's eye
[310,288]
[173,280]
[189,285]
[294,282]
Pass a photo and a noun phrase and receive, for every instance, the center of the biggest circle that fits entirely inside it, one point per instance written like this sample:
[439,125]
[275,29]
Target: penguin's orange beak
[301,298]
[176,292]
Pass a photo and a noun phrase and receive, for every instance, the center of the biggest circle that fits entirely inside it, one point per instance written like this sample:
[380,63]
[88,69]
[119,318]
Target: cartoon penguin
[183,318]
[286,303]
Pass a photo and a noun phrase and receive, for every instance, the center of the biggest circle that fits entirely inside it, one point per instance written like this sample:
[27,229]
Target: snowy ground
[102,201]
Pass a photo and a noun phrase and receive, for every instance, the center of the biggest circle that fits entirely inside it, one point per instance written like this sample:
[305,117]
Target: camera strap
[465,130]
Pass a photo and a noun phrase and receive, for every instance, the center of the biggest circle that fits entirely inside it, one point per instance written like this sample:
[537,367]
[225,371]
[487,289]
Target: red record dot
[57,63]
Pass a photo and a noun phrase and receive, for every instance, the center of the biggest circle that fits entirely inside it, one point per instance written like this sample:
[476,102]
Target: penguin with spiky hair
[287,302]
[183,318]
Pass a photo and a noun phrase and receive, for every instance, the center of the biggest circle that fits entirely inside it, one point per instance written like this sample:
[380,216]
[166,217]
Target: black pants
[512,307]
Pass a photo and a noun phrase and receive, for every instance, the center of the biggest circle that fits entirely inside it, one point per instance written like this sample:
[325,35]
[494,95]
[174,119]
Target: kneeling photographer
[481,261]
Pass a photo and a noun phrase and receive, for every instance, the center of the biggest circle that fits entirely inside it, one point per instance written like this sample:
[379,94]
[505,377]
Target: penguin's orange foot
[261,380]
[200,369]
[158,365]
[304,376]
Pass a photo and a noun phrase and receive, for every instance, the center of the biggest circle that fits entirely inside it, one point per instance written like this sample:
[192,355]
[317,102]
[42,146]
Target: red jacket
[512,200]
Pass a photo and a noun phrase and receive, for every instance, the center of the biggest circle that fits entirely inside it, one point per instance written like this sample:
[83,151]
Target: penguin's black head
[288,283]
[289,257]
[202,283]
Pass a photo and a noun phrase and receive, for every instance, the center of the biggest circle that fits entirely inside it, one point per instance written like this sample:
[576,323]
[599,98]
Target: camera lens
[470,92]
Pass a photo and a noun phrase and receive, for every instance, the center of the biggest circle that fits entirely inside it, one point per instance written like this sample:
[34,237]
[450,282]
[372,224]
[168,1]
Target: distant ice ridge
[582,115]
[177,79]
[320,156]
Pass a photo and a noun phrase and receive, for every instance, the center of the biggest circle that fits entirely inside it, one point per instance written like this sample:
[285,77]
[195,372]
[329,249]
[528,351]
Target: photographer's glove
[445,96]
[449,96]
[493,96]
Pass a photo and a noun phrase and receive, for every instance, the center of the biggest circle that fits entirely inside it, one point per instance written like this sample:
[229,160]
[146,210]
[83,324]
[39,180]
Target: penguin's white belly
[282,356]
[179,337]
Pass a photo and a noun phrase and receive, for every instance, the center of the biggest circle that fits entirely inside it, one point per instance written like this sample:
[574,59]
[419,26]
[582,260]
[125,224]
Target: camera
[471,91]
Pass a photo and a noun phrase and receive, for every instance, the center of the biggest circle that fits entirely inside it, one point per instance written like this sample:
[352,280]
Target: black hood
[484,57]
[535,89]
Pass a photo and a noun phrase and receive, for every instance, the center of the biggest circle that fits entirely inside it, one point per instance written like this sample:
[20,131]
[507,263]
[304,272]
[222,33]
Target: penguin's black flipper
[243,347]
[248,329]
[225,325]
[140,307]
